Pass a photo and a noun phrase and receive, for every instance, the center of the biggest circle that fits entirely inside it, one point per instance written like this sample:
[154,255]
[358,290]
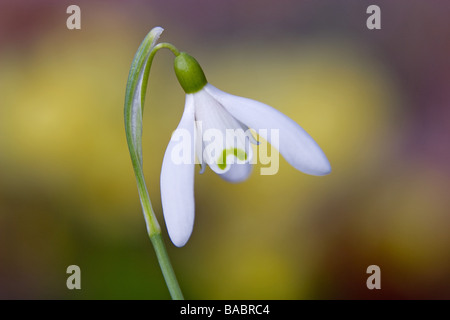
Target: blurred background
[376,101]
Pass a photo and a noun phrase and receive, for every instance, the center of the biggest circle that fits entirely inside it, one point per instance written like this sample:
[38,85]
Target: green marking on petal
[238,153]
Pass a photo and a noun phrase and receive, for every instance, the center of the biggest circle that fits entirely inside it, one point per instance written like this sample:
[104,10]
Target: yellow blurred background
[377,102]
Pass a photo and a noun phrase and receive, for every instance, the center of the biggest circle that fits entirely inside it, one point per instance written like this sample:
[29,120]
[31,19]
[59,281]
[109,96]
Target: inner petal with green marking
[238,153]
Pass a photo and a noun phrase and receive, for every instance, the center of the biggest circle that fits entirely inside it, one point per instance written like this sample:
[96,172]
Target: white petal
[238,172]
[224,140]
[177,179]
[295,144]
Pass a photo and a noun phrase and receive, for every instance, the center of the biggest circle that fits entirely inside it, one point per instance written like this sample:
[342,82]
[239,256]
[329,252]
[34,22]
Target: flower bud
[189,73]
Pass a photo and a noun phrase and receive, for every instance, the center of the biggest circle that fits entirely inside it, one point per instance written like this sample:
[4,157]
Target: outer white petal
[177,180]
[295,144]
[238,172]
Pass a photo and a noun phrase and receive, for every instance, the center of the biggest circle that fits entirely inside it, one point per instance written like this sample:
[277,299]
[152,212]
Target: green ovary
[238,153]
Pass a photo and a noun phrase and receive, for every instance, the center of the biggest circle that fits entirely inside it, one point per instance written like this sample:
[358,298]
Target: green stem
[166,267]
[169,46]
[154,233]
[133,128]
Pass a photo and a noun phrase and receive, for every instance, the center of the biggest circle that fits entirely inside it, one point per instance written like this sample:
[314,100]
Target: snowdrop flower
[209,109]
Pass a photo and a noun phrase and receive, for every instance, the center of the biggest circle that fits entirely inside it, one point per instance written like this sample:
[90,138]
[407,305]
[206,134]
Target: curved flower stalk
[134,102]
[208,109]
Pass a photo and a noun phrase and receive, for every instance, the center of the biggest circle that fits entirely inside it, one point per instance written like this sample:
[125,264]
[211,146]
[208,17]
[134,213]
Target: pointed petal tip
[327,169]
[179,240]
[321,169]
[179,222]
[324,171]
[324,168]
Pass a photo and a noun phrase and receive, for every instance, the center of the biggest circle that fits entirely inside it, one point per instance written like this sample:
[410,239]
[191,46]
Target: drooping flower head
[214,131]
